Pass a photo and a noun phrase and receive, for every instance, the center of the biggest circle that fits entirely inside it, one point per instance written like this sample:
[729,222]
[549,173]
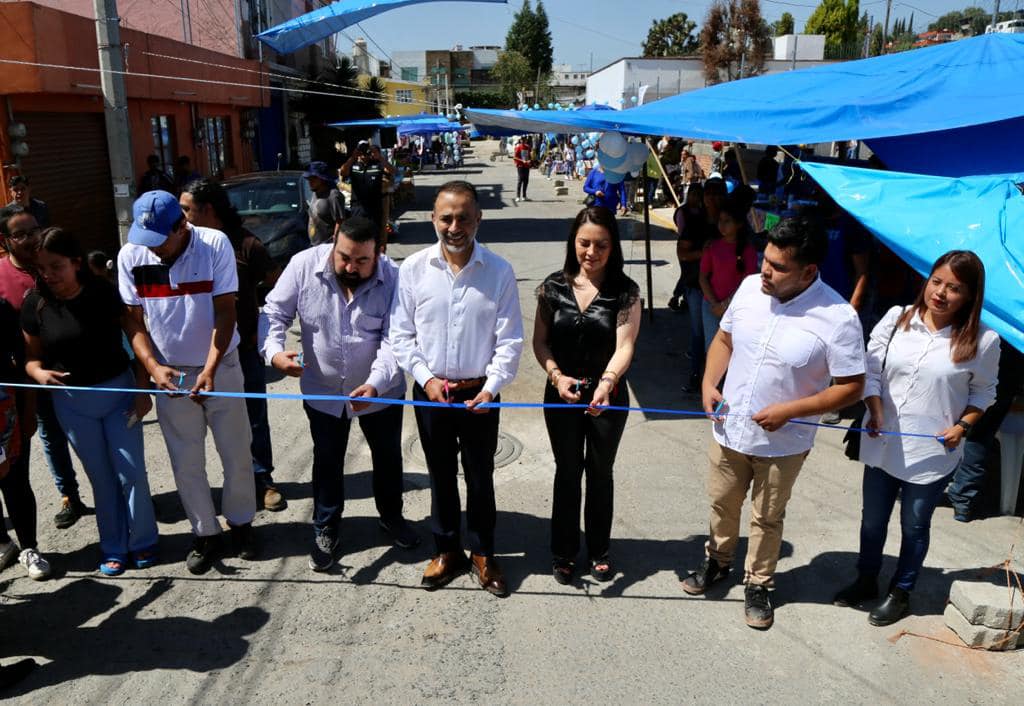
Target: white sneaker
[515,200]
[8,554]
[37,567]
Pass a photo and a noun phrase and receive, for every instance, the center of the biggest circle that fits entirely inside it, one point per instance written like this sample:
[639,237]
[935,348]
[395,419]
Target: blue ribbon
[428,403]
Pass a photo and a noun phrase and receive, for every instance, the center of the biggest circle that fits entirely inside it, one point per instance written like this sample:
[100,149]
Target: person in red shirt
[523,158]
[726,262]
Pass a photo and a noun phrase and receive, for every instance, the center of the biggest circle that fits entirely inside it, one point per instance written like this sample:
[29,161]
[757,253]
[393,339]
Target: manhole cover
[509,449]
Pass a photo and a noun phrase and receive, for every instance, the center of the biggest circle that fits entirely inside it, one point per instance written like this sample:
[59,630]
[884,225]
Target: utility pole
[115,111]
[885,27]
[995,16]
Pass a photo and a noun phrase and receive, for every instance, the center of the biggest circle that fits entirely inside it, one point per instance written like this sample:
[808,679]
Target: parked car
[274,206]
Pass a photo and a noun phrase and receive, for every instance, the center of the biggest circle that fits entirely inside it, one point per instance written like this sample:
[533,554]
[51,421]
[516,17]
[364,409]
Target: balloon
[621,101]
[636,155]
[536,106]
[632,99]
[614,144]
[589,154]
[613,177]
[551,106]
[575,140]
[609,162]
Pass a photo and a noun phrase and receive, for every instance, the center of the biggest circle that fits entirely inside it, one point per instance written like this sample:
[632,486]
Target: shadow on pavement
[123,643]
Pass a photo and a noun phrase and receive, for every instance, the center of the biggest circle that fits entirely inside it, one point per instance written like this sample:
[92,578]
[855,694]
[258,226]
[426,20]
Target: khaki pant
[731,475]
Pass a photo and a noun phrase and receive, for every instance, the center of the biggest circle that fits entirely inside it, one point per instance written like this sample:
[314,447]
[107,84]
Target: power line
[916,9]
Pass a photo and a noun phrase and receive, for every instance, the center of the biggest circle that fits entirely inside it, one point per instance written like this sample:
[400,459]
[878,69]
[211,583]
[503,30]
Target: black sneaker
[865,588]
[14,673]
[71,509]
[205,550]
[244,539]
[402,534]
[709,573]
[757,604]
[321,554]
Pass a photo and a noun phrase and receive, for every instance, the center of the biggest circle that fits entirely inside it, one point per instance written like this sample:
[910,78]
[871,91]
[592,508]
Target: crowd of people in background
[777,325]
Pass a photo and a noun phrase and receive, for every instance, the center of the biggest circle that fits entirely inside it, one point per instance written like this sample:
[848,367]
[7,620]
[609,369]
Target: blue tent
[922,217]
[395,121]
[509,123]
[952,109]
[318,25]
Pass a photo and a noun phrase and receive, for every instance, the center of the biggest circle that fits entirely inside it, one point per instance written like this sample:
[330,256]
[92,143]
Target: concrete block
[562,191]
[559,182]
[978,635]
[988,604]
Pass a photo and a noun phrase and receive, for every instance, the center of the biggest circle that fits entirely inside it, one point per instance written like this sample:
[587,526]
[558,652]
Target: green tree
[513,71]
[334,94]
[545,53]
[784,25]
[735,40]
[877,42]
[672,36]
[530,36]
[910,27]
[838,21]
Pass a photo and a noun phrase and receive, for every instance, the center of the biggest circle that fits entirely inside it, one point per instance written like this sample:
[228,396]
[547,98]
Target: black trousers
[583,446]
[446,434]
[383,432]
[524,181]
[20,500]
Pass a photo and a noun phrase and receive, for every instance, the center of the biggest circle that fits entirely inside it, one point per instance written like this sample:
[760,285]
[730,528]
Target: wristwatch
[966,426]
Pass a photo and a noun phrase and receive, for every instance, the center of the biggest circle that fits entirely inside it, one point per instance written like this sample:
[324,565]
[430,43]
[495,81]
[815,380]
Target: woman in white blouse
[931,371]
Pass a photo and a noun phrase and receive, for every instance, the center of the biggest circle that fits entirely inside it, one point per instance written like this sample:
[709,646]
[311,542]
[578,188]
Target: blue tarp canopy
[921,217]
[952,109]
[429,128]
[318,25]
[509,123]
[395,121]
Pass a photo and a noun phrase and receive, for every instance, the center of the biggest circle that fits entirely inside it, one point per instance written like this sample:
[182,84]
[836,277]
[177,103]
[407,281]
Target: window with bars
[403,95]
[410,73]
[218,144]
[162,127]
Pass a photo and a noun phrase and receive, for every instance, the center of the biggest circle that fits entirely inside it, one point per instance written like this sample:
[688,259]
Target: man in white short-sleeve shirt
[793,350]
[179,283]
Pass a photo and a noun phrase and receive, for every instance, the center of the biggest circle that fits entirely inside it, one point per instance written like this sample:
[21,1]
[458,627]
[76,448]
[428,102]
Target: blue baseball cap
[321,171]
[154,215]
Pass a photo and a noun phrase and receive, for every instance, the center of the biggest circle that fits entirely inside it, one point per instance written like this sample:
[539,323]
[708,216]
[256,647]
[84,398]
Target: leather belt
[467,384]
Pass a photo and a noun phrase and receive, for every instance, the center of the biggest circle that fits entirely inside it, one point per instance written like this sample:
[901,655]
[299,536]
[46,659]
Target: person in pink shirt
[726,261]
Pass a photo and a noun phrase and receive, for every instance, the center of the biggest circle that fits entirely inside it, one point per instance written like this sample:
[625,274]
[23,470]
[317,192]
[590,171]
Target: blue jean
[710,323]
[254,380]
[96,424]
[695,308]
[55,446]
[917,503]
[969,477]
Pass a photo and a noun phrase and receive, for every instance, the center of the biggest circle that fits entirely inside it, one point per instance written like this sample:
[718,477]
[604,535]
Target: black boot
[709,572]
[864,588]
[893,608]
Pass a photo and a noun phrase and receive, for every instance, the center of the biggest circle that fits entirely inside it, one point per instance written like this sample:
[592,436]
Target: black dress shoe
[864,588]
[893,608]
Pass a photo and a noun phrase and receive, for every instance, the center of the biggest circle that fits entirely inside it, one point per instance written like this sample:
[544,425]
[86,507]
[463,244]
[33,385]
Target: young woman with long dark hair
[725,262]
[588,318]
[73,324]
[932,371]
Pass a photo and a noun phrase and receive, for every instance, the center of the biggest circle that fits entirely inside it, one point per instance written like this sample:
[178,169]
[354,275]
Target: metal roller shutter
[70,170]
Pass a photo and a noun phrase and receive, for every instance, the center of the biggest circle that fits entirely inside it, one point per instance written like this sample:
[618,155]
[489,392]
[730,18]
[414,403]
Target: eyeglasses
[25,234]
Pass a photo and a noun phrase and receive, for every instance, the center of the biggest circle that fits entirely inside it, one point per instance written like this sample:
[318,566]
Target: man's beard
[464,243]
[350,280]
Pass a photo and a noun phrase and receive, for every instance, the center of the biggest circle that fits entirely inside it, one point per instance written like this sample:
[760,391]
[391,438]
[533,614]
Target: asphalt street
[272,631]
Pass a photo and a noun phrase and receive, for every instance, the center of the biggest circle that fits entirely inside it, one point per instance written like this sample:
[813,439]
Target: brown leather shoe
[488,573]
[443,568]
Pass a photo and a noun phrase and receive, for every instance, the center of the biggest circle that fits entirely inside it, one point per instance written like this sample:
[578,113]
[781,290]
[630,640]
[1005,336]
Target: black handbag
[590,200]
[852,437]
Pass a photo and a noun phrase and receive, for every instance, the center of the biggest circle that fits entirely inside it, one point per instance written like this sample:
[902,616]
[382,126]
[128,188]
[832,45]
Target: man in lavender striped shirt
[342,293]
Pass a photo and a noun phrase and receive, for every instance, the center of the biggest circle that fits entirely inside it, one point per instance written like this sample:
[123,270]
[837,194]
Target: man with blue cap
[179,283]
[327,206]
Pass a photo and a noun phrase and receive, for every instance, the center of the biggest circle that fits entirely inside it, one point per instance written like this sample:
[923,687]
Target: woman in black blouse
[73,324]
[588,318]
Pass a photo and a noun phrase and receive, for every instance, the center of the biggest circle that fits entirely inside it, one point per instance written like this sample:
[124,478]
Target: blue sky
[606,29]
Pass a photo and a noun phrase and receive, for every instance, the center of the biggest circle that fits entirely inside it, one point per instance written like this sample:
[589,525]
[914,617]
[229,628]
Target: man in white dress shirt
[784,338]
[457,329]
